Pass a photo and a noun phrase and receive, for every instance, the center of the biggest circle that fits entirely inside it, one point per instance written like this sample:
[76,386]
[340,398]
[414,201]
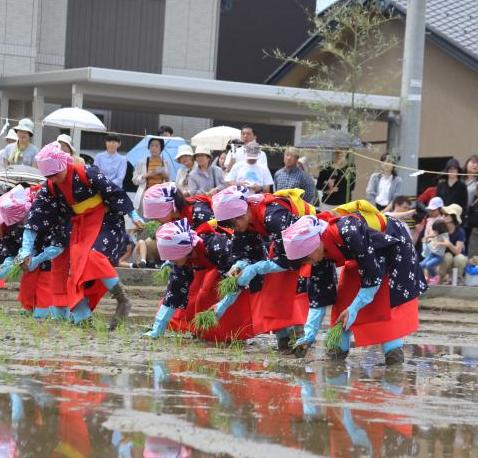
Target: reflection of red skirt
[377,322]
[275,307]
[36,290]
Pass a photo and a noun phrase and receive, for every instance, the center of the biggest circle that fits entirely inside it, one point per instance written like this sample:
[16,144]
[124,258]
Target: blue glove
[259,268]
[81,312]
[241,264]
[28,242]
[312,326]
[363,298]
[47,254]
[5,267]
[225,303]
[135,217]
[161,322]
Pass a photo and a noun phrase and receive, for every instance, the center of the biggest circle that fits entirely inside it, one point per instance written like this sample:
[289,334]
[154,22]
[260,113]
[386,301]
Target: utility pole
[411,93]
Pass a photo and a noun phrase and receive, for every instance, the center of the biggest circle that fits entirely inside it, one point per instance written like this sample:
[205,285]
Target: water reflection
[429,408]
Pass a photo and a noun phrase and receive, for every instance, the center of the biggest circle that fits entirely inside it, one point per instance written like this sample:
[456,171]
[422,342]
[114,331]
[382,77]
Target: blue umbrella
[171,144]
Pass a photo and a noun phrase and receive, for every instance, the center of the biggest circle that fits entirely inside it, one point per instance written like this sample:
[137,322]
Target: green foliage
[150,228]
[161,277]
[227,286]
[203,321]
[332,340]
[15,273]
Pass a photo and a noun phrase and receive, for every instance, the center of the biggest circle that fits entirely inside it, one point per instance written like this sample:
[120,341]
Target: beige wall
[450,102]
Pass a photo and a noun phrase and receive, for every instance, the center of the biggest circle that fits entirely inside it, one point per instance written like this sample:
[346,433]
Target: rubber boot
[59,313]
[81,313]
[393,351]
[123,306]
[41,313]
[161,322]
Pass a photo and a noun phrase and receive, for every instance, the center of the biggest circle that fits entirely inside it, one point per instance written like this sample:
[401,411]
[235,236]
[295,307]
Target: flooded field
[68,392]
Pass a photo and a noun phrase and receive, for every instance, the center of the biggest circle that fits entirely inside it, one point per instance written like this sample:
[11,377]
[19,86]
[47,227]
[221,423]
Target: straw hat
[453,209]
[66,139]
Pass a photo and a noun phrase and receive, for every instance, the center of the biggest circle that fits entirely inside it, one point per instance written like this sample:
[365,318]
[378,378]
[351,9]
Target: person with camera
[238,154]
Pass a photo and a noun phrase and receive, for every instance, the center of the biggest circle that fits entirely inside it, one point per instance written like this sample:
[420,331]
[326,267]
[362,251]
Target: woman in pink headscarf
[164,203]
[81,196]
[189,254]
[377,299]
[256,219]
[35,287]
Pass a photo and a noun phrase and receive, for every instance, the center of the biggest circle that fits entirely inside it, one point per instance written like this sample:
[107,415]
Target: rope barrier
[278,147]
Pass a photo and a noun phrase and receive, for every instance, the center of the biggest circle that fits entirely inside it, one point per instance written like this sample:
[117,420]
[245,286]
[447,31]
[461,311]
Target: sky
[322,4]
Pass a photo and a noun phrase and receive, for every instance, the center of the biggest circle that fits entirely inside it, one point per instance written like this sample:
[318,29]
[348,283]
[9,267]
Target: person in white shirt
[236,155]
[251,173]
[385,185]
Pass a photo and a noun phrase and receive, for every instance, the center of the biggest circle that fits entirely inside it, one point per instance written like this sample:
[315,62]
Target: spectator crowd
[443,222]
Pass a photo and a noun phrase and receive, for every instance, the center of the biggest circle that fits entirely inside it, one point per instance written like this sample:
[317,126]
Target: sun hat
[25,125]
[453,209]
[184,150]
[67,140]
[202,150]
[435,203]
[11,135]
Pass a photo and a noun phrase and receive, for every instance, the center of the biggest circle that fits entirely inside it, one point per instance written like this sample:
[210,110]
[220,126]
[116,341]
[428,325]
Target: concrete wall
[190,49]
[32,35]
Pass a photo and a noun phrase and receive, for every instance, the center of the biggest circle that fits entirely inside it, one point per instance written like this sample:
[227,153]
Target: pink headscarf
[230,203]
[175,240]
[303,237]
[158,200]
[14,205]
[52,160]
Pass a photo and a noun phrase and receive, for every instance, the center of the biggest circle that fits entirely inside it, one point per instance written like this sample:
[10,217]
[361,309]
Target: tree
[350,36]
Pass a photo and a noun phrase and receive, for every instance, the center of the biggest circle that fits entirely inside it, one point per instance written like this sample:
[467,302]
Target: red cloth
[377,322]
[427,195]
[36,290]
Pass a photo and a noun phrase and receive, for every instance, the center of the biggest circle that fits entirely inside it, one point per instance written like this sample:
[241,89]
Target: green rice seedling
[332,340]
[203,321]
[150,228]
[161,277]
[227,286]
[14,273]
[330,393]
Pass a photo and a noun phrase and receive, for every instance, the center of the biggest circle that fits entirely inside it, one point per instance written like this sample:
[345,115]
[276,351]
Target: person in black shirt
[451,189]
[336,181]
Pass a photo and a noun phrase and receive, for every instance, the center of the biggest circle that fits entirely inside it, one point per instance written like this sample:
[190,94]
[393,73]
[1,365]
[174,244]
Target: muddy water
[177,408]
[82,393]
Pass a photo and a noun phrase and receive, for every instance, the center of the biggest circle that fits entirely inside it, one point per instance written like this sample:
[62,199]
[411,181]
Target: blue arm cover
[5,267]
[241,264]
[363,298]
[28,240]
[225,303]
[47,254]
[135,217]
[259,268]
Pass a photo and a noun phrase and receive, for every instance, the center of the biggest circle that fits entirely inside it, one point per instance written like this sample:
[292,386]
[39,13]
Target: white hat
[184,150]
[435,203]
[25,125]
[11,135]
[202,150]
[66,139]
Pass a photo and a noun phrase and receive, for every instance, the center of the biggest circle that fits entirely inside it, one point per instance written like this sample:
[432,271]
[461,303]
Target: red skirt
[35,290]
[86,265]
[275,307]
[377,322]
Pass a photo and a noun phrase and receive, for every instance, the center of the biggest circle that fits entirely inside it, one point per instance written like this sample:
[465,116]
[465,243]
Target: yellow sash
[87,204]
